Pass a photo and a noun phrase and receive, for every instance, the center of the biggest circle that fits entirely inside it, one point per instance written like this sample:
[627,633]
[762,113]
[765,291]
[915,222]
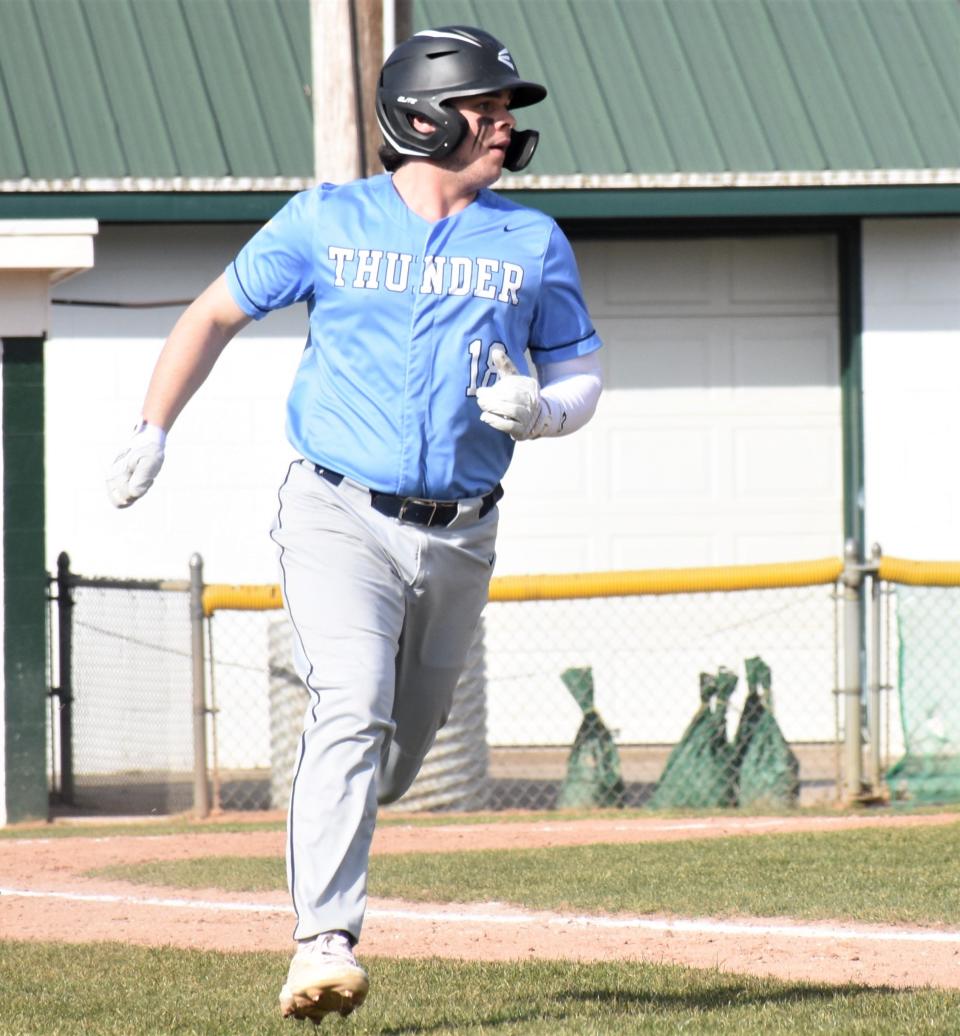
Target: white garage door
[718,438]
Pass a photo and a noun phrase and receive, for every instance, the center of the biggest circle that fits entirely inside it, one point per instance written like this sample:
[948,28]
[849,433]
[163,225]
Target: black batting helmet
[436,65]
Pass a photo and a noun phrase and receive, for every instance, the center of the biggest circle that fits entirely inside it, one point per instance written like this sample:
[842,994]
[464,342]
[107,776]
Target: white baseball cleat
[324,978]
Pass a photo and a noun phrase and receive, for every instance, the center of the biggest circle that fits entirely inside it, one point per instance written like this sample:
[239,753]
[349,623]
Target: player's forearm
[190,352]
[568,395]
[187,358]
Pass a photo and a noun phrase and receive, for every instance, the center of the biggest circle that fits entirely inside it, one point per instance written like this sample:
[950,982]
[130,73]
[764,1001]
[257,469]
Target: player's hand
[134,470]
[512,404]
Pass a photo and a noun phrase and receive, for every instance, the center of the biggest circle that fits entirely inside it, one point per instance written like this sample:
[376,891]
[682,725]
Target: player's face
[484,145]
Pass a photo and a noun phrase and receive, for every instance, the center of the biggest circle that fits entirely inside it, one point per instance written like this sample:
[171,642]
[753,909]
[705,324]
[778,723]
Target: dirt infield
[45,895]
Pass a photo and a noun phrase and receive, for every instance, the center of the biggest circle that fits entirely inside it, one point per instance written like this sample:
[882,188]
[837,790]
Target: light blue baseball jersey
[403,314]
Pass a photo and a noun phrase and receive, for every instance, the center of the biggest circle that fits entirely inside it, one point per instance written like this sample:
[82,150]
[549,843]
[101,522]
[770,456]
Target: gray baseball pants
[383,615]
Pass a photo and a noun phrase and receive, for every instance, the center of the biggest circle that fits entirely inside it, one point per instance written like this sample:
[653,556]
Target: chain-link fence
[683,688]
[919,618]
[643,655]
[121,734]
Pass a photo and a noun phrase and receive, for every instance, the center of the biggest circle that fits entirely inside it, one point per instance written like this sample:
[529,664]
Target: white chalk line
[689,926]
[105,897]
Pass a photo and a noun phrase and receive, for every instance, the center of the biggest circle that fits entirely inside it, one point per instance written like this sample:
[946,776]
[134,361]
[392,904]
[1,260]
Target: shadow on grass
[705,1000]
[593,1005]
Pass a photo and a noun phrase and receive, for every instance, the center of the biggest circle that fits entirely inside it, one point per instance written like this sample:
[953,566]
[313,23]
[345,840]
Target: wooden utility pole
[336,151]
[348,49]
[368,48]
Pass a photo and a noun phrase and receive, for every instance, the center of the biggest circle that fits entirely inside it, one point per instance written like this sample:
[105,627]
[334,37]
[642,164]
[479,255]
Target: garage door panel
[676,461]
[781,271]
[533,553]
[657,355]
[691,540]
[803,544]
[696,277]
[786,352]
[655,273]
[562,470]
[667,550]
[654,355]
[795,461]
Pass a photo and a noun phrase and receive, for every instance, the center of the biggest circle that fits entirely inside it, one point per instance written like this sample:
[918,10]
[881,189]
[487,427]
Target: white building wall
[227,452]
[911,370]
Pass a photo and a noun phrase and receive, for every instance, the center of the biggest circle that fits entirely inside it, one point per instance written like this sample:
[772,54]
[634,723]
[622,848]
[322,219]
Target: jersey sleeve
[275,268]
[561,328]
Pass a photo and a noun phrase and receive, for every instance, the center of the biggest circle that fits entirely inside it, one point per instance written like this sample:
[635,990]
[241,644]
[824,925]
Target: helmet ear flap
[450,135]
[395,120]
[520,150]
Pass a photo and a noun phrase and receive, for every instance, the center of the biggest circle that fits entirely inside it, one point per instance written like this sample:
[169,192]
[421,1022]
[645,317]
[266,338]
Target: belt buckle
[413,501]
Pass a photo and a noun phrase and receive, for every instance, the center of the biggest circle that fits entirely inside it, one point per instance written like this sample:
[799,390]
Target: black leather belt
[412,508]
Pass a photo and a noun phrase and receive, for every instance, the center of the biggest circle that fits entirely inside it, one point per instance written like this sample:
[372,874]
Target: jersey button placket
[423,349]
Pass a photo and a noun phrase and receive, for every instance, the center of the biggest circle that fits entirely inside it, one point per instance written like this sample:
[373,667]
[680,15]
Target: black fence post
[201,787]
[64,691]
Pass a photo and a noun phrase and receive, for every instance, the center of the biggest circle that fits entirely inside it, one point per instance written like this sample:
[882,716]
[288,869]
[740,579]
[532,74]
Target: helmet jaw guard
[432,68]
[522,145]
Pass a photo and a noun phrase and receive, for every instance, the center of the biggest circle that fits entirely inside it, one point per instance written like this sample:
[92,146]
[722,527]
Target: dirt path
[44,894]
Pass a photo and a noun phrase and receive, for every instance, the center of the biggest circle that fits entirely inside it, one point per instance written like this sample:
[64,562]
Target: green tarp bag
[700,770]
[593,767]
[752,709]
[768,770]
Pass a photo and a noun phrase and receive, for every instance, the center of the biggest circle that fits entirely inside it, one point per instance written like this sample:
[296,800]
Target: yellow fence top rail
[665,581]
[721,578]
[223,597]
[919,573]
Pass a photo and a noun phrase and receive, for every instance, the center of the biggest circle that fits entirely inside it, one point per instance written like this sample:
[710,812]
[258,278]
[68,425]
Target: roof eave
[527,182]
[857,194]
[158,185]
[734,179]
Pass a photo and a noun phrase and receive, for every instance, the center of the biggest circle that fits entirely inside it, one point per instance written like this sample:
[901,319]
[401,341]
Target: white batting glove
[512,404]
[134,470]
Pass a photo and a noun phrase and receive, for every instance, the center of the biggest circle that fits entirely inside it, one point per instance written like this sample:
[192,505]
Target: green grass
[228,873]
[107,989]
[905,875]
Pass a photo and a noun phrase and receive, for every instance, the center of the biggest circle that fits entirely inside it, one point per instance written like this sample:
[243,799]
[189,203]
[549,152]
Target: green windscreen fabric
[928,627]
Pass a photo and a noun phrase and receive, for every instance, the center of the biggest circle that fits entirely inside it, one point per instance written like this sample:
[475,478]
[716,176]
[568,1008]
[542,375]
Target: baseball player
[425,291]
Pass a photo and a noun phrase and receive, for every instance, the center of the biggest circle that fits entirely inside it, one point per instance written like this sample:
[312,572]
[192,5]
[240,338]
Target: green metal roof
[121,90]
[169,97]
[737,92]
